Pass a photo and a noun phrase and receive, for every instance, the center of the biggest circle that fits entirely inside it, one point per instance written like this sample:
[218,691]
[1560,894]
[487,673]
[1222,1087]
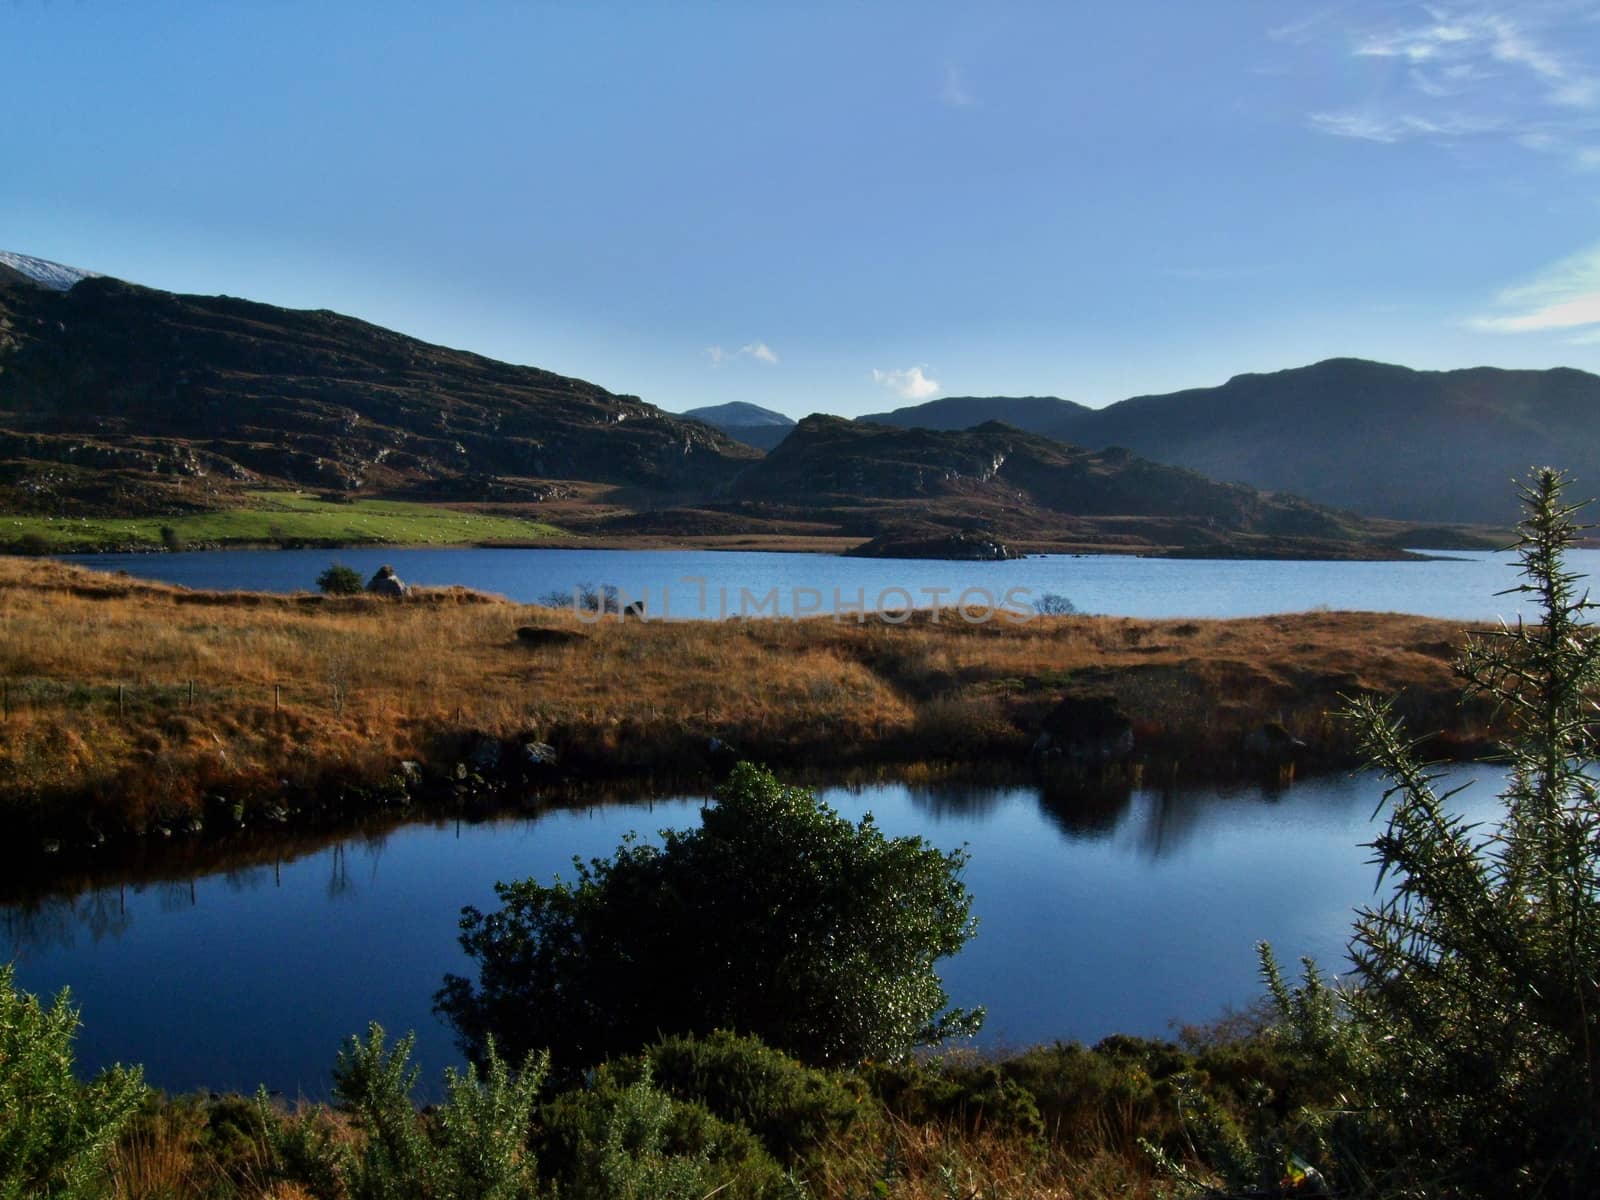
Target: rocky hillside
[123,396]
[1374,438]
[877,479]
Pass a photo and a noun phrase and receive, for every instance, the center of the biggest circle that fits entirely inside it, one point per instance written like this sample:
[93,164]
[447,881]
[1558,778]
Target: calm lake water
[699,584]
[1098,915]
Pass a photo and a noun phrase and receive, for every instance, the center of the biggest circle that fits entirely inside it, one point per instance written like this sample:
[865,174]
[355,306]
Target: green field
[275,518]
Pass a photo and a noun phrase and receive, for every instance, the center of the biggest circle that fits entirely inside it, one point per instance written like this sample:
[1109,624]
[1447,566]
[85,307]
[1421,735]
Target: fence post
[277,696]
[120,708]
[191,693]
[5,699]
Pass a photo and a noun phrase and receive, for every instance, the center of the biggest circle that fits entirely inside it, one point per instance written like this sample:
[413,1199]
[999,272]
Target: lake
[1098,914]
[704,584]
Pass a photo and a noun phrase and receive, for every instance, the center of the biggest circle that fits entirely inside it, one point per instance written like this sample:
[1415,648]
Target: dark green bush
[171,540]
[340,580]
[621,1136]
[777,918]
[792,1108]
[955,1090]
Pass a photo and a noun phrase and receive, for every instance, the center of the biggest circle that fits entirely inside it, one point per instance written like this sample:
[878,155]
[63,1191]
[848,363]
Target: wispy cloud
[908,383]
[1377,127]
[1522,73]
[1304,29]
[1563,298]
[956,93]
[759,351]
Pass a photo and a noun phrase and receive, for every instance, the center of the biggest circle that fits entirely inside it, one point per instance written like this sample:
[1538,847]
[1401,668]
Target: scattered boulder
[1084,732]
[1272,743]
[387,583]
[539,635]
[538,754]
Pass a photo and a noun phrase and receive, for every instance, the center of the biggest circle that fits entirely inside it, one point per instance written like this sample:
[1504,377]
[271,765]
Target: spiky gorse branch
[1477,976]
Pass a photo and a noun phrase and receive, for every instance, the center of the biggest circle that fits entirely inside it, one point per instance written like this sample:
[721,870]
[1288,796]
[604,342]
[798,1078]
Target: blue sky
[838,207]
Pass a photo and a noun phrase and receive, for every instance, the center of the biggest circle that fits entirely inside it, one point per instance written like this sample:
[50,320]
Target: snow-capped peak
[44,273]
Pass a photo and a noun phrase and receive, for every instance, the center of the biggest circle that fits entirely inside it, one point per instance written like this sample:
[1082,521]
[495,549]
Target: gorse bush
[55,1133]
[777,917]
[474,1146]
[1479,978]
[792,1108]
[1462,1060]
[619,1136]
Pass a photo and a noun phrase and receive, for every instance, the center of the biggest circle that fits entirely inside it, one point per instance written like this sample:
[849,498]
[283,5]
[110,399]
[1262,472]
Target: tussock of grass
[276,517]
[310,690]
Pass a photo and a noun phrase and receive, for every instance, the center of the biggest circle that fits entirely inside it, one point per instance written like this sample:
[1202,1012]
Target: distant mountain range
[747,423]
[1037,414]
[1434,446]
[119,399]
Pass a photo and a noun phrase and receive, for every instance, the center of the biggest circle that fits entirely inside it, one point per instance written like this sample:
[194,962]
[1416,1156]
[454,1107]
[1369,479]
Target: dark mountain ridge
[1371,437]
[113,376]
[1020,485]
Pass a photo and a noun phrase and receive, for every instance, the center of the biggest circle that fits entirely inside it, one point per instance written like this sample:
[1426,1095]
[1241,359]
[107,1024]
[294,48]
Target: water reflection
[1146,823]
[1100,909]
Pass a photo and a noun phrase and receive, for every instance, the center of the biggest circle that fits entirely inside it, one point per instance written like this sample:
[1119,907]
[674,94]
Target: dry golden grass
[310,691]
[947,1161]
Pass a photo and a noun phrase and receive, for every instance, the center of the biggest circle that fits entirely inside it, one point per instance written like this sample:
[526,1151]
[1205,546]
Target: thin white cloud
[956,93]
[908,383]
[1564,297]
[759,351]
[1525,74]
[1378,127]
[1303,30]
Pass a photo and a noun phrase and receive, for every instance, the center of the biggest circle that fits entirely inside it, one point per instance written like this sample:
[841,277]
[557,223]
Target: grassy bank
[283,518]
[132,706]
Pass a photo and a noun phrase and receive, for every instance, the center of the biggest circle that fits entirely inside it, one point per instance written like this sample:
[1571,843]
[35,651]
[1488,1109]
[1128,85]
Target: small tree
[340,580]
[777,917]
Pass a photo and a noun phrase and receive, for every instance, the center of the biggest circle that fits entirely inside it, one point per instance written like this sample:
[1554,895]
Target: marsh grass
[126,703]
